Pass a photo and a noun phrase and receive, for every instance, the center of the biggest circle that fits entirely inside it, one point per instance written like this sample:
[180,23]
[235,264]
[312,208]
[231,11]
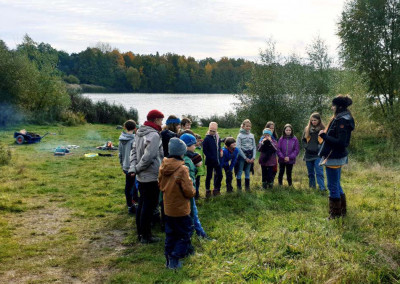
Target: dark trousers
[217,177]
[197,186]
[131,192]
[268,174]
[148,200]
[178,231]
[289,168]
[228,177]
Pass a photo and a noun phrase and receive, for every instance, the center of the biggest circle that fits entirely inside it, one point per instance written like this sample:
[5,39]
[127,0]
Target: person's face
[212,131]
[272,127]
[178,127]
[314,121]
[267,136]
[191,148]
[187,126]
[158,121]
[333,108]
[247,127]
[232,146]
[288,131]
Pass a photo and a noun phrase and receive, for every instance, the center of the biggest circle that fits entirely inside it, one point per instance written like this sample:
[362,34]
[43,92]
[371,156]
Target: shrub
[228,120]
[5,154]
[71,79]
[71,118]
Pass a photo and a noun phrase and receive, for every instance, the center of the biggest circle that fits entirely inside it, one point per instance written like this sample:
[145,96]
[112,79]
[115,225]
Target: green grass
[64,219]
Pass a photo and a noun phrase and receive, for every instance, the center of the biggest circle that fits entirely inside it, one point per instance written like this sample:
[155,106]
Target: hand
[132,174]
[252,161]
[247,160]
[321,131]
[221,154]
[286,159]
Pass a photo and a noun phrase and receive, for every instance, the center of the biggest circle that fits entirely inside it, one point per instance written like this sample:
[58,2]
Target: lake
[201,105]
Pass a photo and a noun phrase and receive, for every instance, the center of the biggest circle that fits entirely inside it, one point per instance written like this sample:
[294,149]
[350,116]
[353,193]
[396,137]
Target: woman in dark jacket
[334,153]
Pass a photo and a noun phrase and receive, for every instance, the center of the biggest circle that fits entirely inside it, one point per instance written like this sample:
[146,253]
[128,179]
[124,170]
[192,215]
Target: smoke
[9,115]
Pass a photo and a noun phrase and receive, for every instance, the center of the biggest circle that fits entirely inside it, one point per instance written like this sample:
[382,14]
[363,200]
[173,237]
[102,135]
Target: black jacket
[337,138]
[166,135]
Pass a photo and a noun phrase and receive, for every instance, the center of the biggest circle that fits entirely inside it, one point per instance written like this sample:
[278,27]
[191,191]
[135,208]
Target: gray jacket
[124,150]
[246,142]
[146,154]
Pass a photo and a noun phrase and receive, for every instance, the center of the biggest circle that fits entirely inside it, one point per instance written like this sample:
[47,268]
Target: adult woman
[334,153]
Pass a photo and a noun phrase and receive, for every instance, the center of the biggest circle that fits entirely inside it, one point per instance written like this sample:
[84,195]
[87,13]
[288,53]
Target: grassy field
[63,219]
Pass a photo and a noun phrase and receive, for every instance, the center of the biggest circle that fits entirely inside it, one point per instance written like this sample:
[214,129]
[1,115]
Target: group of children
[185,158]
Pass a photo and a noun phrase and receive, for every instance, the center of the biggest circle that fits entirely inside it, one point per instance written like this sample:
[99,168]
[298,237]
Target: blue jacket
[229,156]
[211,149]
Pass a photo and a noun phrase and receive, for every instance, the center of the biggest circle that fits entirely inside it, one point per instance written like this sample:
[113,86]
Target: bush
[5,155]
[71,118]
[228,120]
[71,79]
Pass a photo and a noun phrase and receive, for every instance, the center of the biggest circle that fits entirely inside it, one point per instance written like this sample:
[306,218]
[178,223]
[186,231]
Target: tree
[370,43]
[133,78]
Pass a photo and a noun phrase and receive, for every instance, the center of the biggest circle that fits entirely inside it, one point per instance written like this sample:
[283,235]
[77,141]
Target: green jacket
[192,174]
[201,171]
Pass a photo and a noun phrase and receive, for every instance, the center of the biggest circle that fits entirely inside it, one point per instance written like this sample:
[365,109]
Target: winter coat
[229,156]
[177,187]
[288,147]
[312,145]
[124,150]
[268,151]
[166,135]
[146,154]
[246,142]
[337,138]
[212,149]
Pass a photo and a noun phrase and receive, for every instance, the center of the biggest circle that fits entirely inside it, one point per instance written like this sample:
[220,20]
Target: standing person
[201,170]
[213,153]
[312,144]
[124,150]
[146,156]
[267,160]
[177,189]
[270,125]
[173,125]
[288,149]
[246,145]
[230,153]
[334,153]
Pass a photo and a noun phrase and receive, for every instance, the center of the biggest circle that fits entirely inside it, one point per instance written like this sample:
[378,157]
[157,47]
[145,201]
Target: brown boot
[335,209]
[343,204]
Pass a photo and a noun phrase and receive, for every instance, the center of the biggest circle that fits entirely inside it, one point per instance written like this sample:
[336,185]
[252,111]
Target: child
[186,124]
[213,153]
[288,149]
[247,153]
[193,161]
[171,130]
[312,144]
[177,188]
[268,148]
[125,146]
[230,153]
[201,170]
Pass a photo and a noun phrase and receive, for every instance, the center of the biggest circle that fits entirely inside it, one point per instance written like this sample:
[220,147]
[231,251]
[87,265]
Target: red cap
[153,114]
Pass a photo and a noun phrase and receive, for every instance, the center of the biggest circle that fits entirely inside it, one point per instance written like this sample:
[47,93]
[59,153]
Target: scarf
[153,125]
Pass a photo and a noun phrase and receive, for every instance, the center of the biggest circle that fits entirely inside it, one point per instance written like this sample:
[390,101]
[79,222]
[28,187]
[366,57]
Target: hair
[319,126]
[229,141]
[173,126]
[184,121]
[246,121]
[269,123]
[342,102]
[188,131]
[284,128]
[130,125]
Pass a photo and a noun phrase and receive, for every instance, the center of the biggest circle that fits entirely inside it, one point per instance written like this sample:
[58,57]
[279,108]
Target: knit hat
[176,147]
[189,139]
[342,101]
[173,120]
[153,114]
[267,131]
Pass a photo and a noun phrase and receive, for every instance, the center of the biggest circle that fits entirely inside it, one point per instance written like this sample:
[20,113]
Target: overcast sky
[236,28]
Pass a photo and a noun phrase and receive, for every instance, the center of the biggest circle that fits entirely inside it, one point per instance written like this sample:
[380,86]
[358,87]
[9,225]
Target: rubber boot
[335,208]
[239,184]
[343,204]
[216,192]
[247,184]
[208,193]
[229,188]
[265,185]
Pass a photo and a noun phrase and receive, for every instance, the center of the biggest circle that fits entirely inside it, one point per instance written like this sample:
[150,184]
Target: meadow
[64,219]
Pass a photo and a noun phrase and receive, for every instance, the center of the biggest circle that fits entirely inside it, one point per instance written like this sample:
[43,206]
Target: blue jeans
[313,168]
[333,177]
[178,231]
[243,166]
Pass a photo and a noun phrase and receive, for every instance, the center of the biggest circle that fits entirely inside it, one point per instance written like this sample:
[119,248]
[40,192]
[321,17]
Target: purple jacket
[268,153]
[288,147]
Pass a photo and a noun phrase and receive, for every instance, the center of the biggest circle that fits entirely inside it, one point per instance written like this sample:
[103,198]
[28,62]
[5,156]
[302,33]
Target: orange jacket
[177,187]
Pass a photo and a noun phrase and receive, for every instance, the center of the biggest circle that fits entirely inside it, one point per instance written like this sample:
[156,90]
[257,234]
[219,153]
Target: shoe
[208,193]
[343,204]
[247,184]
[132,210]
[229,188]
[150,240]
[335,208]
[265,185]
[216,192]
[239,184]
[174,263]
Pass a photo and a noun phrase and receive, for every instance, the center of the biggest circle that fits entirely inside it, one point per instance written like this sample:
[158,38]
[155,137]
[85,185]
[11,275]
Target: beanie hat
[267,131]
[173,120]
[189,139]
[176,147]
[153,114]
[342,101]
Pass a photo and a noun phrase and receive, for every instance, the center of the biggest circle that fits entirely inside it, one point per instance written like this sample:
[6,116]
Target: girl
[334,152]
[268,148]
[312,144]
[173,125]
[247,153]
[288,149]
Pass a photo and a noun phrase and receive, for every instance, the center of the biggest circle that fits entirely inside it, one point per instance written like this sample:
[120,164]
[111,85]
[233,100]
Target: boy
[230,153]
[177,189]
[125,146]
[186,124]
[201,170]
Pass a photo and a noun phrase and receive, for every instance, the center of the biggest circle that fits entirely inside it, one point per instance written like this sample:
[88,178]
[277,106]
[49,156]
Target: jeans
[217,177]
[243,166]
[313,168]
[289,168]
[196,221]
[333,177]
[148,200]
[131,191]
[178,231]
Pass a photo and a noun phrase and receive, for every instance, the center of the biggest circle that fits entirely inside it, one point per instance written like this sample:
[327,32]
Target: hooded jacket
[288,147]
[337,137]
[146,154]
[177,187]
[246,142]
[166,135]
[124,150]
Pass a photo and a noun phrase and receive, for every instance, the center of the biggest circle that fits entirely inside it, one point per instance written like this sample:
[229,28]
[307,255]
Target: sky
[235,28]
